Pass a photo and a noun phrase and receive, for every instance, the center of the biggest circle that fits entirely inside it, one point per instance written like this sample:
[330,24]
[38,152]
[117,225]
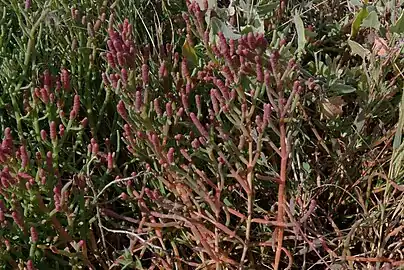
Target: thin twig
[118,181]
[132,234]
[250,201]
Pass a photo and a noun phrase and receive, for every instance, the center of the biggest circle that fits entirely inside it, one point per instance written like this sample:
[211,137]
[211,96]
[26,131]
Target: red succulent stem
[281,190]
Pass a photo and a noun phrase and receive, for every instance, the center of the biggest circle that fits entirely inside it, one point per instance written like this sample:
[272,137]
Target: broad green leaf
[371,21]
[356,3]
[358,49]
[219,26]
[342,88]
[362,14]
[246,29]
[258,23]
[301,37]
[398,27]
[265,10]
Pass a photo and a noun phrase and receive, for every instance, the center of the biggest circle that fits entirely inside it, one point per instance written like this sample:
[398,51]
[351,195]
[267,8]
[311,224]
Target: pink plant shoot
[110,162]
[170,155]
[57,198]
[18,219]
[24,156]
[27,4]
[145,74]
[53,131]
[30,265]
[138,101]
[61,130]
[34,235]
[122,110]
[65,79]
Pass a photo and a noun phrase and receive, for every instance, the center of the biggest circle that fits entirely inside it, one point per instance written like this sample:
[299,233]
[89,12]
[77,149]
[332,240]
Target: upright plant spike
[34,235]
[231,110]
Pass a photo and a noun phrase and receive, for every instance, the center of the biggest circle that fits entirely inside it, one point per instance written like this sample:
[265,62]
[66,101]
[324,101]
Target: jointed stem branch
[250,200]
[281,191]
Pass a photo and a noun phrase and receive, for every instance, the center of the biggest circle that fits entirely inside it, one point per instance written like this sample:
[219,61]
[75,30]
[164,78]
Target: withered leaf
[331,107]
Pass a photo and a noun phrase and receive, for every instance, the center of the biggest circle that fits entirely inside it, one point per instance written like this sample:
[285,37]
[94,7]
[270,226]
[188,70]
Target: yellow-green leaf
[362,14]
[189,52]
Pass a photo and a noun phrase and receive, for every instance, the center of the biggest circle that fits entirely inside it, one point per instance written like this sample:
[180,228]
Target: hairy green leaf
[342,88]
[220,26]
[399,26]
[358,49]
[301,36]
[371,21]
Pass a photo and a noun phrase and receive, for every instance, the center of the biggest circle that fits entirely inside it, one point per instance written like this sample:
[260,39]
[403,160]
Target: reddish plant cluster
[197,143]
[35,199]
[19,184]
